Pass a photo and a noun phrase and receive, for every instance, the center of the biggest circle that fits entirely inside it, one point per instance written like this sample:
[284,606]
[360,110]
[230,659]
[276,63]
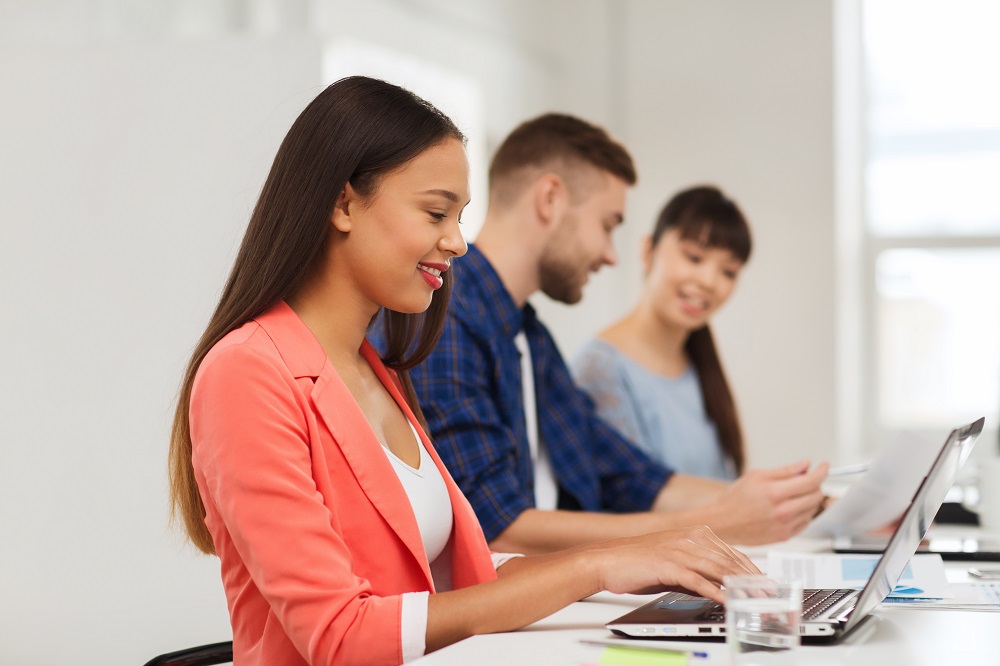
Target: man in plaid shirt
[541,469]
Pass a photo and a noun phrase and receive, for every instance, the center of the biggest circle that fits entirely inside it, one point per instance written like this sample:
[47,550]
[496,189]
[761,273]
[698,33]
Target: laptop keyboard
[817,602]
[814,604]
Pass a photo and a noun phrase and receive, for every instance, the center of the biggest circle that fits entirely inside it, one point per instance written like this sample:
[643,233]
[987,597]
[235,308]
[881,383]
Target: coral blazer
[315,534]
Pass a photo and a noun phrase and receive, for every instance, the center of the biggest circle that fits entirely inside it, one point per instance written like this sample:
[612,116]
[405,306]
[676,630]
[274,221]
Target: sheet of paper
[983,597]
[882,493]
[923,578]
[759,553]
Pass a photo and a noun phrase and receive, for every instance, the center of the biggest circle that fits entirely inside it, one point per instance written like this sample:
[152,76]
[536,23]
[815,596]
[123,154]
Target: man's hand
[765,506]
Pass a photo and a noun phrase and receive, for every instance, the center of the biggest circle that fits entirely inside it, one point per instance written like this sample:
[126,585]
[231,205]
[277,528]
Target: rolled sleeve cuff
[500,559]
[650,487]
[499,504]
[413,624]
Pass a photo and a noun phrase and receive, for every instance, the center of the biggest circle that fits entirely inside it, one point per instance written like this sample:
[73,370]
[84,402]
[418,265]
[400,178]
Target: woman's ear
[341,216]
[647,254]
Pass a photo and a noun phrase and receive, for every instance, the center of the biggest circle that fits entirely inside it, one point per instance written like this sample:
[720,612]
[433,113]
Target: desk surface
[892,635]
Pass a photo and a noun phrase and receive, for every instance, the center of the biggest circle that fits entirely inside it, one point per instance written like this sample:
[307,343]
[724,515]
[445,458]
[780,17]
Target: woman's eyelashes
[697,256]
[441,217]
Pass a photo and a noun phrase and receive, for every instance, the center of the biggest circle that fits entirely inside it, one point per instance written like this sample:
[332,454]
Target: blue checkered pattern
[470,391]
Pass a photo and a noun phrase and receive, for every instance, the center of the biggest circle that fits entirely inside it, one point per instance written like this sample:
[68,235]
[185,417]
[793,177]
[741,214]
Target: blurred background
[861,138]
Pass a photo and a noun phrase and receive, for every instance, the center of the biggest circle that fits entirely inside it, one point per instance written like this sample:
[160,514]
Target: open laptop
[826,614]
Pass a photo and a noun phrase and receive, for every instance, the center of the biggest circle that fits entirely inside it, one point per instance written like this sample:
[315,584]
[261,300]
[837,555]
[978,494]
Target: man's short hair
[558,142]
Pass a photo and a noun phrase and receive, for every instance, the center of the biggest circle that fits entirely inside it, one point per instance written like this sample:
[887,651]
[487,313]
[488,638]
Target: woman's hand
[693,559]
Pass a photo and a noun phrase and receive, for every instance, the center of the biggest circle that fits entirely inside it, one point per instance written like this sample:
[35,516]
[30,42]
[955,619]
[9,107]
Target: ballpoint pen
[847,470]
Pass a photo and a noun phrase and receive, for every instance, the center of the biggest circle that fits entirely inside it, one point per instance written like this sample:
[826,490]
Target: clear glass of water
[762,619]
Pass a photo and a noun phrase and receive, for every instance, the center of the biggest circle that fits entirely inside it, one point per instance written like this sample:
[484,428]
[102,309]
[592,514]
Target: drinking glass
[762,619]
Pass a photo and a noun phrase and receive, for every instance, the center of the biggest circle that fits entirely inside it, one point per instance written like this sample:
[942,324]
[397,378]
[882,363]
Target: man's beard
[560,278]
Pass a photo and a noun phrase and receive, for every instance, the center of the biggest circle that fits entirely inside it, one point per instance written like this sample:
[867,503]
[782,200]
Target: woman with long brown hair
[656,374]
[298,455]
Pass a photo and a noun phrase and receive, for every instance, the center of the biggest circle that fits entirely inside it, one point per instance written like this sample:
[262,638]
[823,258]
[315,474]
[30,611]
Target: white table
[892,636]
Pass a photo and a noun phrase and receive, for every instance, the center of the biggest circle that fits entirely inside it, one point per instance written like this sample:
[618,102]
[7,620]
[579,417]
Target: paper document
[882,493]
[923,578]
[966,597]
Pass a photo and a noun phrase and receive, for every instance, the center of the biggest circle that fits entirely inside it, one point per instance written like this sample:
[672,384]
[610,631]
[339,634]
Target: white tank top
[431,504]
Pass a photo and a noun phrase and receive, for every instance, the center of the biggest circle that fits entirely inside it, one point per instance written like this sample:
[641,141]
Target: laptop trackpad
[677,608]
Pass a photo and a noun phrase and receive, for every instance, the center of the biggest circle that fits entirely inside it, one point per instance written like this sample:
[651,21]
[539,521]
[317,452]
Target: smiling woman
[298,454]
[380,245]
[656,375]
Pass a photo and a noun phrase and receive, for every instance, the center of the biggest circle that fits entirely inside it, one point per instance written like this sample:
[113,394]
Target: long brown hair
[355,131]
[707,216]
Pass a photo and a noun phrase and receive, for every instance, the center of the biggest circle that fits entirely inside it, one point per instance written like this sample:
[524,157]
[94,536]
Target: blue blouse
[664,416]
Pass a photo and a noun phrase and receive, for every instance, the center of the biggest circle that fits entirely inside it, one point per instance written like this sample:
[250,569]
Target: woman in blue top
[656,375]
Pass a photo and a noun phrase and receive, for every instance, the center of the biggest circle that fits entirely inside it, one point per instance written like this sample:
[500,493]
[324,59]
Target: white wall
[740,94]
[135,137]
[128,173]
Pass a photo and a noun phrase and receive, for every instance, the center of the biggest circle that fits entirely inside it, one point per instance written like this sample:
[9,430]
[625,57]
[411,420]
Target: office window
[939,335]
[932,212]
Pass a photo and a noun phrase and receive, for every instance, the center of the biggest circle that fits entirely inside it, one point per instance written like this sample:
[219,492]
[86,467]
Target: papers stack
[924,583]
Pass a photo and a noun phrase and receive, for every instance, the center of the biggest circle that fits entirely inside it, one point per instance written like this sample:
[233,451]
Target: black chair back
[203,655]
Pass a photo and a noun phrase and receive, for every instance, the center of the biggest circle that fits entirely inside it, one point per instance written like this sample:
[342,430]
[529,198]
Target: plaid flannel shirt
[470,391]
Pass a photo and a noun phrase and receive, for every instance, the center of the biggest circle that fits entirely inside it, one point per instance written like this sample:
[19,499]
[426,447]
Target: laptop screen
[916,519]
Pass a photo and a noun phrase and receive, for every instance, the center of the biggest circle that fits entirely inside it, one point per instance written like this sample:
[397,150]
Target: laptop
[827,615]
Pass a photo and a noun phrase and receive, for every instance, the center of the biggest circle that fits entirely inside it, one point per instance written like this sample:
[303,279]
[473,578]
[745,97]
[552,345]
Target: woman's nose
[708,276]
[453,241]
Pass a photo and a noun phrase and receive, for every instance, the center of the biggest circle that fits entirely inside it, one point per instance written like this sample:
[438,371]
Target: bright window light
[932,209]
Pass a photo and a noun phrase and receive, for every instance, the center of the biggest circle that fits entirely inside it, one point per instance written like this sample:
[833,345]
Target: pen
[847,470]
[985,573]
[647,647]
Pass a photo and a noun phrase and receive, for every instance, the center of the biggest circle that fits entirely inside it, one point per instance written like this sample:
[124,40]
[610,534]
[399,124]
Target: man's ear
[647,254]
[551,198]
[346,202]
